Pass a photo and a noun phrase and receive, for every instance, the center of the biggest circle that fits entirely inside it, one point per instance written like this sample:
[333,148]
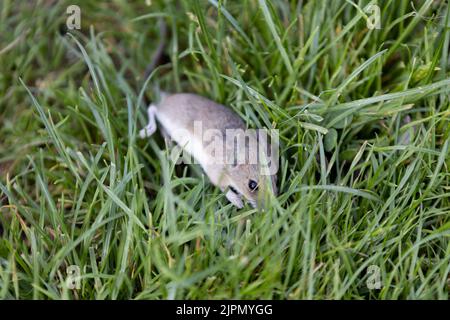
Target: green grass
[364,121]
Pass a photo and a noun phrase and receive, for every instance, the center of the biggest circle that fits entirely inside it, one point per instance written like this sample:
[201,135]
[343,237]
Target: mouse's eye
[253,185]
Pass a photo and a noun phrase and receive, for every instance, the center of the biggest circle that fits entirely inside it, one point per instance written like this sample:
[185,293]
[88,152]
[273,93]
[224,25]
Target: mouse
[239,161]
[235,159]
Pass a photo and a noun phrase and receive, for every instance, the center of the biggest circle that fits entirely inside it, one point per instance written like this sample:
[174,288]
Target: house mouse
[236,159]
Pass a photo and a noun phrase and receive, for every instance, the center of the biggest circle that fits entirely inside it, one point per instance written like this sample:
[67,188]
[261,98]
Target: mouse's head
[247,182]
[252,164]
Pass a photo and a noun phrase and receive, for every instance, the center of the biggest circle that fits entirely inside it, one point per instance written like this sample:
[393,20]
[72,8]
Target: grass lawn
[363,113]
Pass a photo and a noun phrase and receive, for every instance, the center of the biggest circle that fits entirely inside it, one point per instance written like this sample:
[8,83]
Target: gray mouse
[241,170]
[236,169]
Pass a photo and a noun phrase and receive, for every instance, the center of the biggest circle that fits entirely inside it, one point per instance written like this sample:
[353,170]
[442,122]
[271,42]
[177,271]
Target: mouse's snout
[255,189]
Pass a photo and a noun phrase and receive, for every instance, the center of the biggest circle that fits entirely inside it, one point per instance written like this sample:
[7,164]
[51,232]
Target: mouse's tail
[156,60]
[157,56]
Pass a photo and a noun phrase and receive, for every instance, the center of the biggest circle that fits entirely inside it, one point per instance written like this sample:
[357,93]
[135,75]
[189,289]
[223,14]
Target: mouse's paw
[147,131]
[234,199]
[150,128]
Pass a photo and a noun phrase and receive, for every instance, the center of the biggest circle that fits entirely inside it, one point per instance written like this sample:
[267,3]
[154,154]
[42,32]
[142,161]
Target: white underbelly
[189,142]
